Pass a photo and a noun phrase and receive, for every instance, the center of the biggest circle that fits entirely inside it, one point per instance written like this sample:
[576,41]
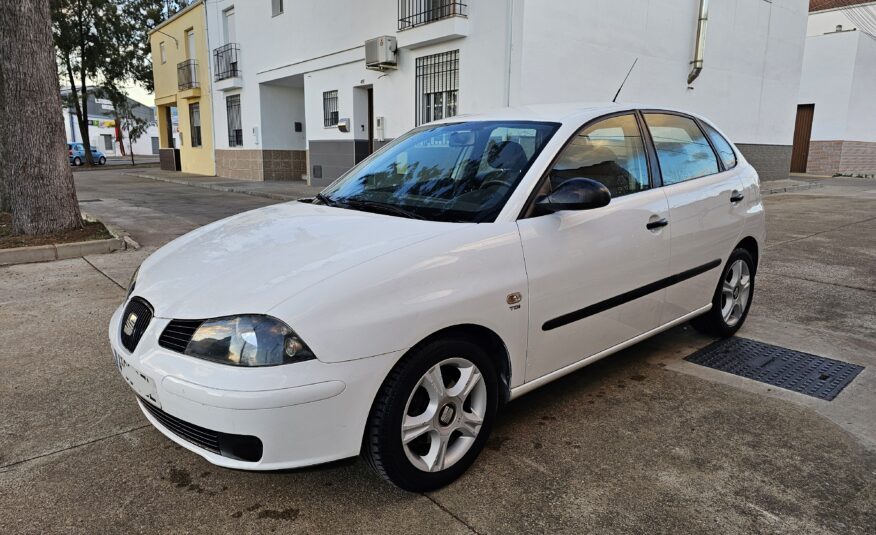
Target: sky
[140,95]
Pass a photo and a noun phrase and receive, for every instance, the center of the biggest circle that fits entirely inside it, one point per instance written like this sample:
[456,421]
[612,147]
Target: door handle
[736,196]
[662,222]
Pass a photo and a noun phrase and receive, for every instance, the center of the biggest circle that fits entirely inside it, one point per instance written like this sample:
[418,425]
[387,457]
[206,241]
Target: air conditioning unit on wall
[381,53]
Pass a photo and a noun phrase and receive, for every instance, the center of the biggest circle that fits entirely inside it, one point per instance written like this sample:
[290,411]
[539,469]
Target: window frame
[228,100]
[655,178]
[192,127]
[162,52]
[329,121]
[432,77]
[277,8]
[698,123]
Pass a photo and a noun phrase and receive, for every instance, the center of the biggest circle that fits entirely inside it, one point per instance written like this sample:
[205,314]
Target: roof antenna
[625,80]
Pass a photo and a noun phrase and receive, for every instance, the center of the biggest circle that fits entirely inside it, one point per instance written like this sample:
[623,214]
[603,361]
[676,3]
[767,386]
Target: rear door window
[683,151]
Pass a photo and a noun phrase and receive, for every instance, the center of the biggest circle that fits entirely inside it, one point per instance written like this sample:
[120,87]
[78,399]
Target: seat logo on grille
[130,323]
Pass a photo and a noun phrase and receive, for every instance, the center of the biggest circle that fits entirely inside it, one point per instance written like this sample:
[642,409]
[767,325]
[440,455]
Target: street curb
[114,230]
[225,189]
[789,189]
[61,251]
[65,251]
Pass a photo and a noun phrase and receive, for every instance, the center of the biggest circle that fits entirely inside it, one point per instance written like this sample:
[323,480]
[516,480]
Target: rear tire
[732,298]
[77,161]
[421,435]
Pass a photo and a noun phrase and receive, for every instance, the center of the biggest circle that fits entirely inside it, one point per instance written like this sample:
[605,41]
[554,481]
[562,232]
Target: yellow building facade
[181,72]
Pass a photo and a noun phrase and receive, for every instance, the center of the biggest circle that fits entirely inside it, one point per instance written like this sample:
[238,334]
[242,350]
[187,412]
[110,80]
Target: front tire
[433,415]
[732,298]
[102,161]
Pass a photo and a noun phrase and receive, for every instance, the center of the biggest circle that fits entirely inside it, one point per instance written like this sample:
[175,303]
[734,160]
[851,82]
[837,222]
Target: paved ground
[155,212]
[638,443]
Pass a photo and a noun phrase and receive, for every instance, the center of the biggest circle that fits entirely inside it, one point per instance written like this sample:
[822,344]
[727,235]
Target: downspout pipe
[696,66]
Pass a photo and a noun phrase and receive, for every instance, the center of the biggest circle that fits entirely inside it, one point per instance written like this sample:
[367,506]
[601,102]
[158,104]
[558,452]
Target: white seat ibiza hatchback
[464,264]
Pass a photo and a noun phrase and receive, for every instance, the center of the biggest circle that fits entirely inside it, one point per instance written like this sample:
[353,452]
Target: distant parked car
[76,154]
[465,264]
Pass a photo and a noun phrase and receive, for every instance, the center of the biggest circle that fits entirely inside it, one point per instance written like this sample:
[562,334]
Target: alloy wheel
[444,415]
[735,292]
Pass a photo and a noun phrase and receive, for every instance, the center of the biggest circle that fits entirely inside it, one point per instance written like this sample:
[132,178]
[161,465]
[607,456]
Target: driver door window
[610,152]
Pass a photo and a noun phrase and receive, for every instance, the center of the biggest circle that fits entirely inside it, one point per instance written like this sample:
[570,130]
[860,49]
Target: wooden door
[802,134]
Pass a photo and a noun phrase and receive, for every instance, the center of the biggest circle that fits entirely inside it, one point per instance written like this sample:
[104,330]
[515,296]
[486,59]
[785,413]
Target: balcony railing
[187,74]
[225,61]
[412,13]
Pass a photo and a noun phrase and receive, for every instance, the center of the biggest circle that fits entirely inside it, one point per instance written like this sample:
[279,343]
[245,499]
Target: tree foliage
[105,42]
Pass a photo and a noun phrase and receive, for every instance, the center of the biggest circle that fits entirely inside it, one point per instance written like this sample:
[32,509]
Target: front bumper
[302,414]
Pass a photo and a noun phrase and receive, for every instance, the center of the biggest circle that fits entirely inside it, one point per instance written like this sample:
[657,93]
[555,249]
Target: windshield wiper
[326,200]
[380,207]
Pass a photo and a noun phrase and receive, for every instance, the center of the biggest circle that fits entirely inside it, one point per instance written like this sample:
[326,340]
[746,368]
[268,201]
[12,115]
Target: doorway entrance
[802,136]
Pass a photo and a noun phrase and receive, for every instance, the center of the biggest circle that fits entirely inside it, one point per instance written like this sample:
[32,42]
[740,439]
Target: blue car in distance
[76,152]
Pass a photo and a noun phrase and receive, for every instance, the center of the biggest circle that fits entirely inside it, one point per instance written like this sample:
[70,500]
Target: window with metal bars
[195,123]
[330,108]
[235,127]
[437,86]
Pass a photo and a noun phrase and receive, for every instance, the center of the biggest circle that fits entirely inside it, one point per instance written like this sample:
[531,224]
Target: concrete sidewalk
[276,190]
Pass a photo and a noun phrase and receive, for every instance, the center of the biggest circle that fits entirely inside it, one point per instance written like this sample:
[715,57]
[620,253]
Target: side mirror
[575,194]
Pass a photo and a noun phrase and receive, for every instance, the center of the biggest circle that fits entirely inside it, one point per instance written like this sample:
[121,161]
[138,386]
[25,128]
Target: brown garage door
[802,133]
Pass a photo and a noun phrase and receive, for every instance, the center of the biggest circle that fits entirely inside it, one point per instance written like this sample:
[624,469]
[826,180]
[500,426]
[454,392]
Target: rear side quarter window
[682,149]
[725,150]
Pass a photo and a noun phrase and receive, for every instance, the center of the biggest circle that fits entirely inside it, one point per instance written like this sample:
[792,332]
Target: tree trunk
[131,144]
[83,120]
[40,182]
[4,197]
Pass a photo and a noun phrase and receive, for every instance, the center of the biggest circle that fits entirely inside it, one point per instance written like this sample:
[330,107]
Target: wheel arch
[750,244]
[487,339]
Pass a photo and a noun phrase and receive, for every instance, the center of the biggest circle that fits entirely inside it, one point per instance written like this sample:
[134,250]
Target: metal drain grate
[812,375]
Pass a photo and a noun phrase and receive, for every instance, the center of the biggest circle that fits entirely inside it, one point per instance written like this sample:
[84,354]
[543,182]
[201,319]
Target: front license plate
[144,386]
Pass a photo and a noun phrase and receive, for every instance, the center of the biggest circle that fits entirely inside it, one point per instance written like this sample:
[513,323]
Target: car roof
[570,112]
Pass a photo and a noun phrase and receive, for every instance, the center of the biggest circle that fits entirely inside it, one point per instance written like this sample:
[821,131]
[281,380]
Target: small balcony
[226,67]
[413,13]
[187,75]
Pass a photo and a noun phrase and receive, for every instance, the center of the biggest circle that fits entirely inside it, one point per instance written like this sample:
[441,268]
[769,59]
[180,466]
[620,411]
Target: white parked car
[468,262]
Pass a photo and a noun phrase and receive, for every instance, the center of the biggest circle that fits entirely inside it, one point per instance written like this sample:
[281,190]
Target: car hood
[250,262]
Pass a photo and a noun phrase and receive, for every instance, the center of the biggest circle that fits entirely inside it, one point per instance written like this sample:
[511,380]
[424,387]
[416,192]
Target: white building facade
[102,132]
[836,124]
[294,99]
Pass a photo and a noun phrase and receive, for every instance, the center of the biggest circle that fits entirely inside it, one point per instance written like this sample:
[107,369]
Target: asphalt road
[642,442]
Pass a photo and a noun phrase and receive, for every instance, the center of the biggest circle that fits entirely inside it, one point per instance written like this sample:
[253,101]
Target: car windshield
[461,172]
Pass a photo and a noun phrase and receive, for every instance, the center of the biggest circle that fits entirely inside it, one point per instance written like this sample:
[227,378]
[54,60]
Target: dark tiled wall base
[331,159]
[256,165]
[773,162]
[168,159]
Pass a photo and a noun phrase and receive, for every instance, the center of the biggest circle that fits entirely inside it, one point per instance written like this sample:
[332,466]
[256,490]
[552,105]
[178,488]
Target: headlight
[132,282]
[248,341]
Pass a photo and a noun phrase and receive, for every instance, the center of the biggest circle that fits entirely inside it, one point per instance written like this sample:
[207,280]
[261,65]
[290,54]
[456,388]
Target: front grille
[204,438]
[136,318]
[240,447]
[178,333]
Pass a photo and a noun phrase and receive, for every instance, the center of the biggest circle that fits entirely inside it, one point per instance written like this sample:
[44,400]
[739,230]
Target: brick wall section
[257,165]
[859,157]
[772,162]
[846,157]
[824,157]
